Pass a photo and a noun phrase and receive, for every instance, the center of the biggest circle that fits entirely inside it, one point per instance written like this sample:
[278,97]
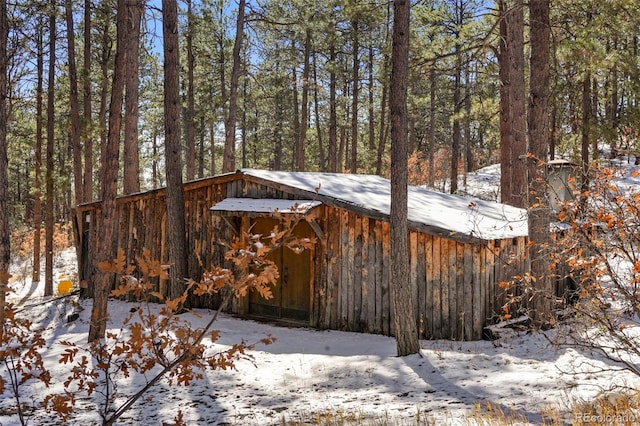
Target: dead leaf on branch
[117,265]
[152,268]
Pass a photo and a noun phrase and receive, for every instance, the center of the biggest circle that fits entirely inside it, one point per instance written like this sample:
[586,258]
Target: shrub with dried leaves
[158,343]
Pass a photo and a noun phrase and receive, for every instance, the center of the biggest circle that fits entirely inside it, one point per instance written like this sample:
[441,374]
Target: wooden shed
[461,249]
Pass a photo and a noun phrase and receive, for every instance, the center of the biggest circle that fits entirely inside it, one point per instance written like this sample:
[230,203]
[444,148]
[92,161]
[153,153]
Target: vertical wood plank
[336,260]
[453,290]
[364,274]
[242,304]
[379,254]
[477,293]
[430,279]
[312,286]
[121,229]
[421,286]
[524,264]
[371,276]
[325,318]
[436,303]
[354,272]
[130,247]
[468,285]
[413,274]
[445,329]
[387,308]
[455,276]
[344,285]
[495,277]
[319,277]
[507,271]
[164,255]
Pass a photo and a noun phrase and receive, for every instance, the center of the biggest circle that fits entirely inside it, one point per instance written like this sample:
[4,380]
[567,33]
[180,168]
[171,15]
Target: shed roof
[435,212]
[264,205]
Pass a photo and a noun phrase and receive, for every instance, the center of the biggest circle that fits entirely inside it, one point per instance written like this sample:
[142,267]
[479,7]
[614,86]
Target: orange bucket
[65,286]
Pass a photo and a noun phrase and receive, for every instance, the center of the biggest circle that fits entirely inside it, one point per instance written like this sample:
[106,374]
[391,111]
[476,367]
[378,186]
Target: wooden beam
[317,229]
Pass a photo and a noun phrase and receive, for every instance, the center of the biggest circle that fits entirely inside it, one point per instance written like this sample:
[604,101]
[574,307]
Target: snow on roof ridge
[458,214]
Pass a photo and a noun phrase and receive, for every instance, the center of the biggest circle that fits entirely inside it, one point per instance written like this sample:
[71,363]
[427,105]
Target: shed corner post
[240,304]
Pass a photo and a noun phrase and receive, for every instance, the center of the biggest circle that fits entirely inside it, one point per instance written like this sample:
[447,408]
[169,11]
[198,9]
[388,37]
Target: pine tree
[176,235]
[538,120]
[106,244]
[402,294]
[5,234]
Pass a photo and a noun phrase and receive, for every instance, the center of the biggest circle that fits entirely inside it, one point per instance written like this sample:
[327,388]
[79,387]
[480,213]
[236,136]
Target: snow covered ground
[309,374]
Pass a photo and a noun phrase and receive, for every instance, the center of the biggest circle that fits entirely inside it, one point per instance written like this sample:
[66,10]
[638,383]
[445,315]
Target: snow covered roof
[264,205]
[435,212]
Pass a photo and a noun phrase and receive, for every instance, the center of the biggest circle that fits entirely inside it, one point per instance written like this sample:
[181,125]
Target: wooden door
[295,274]
[292,292]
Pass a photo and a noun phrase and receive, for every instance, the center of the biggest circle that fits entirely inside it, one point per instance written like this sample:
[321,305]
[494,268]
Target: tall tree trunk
[371,112]
[243,123]
[222,76]
[212,144]
[614,115]
[131,159]
[278,142]
[74,107]
[256,134]
[355,76]
[403,295]
[296,113]
[468,143]
[342,149]
[594,117]
[539,134]
[229,159]
[201,151]
[304,113]
[333,116]
[505,105]
[5,232]
[515,37]
[382,137]
[513,185]
[106,244]
[37,195]
[176,235]
[585,131]
[49,206]
[384,119]
[322,157]
[455,137]
[432,125]
[105,59]
[155,178]
[87,137]
[189,122]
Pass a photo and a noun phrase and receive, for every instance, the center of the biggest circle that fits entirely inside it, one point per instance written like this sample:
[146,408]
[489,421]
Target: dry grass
[611,409]
[22,239]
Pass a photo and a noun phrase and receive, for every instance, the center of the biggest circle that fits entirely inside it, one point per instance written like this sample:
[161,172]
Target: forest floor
[314,376]
[327,377]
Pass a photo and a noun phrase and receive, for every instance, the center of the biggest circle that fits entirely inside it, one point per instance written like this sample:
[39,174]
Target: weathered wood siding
[457,283]
[142,225]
